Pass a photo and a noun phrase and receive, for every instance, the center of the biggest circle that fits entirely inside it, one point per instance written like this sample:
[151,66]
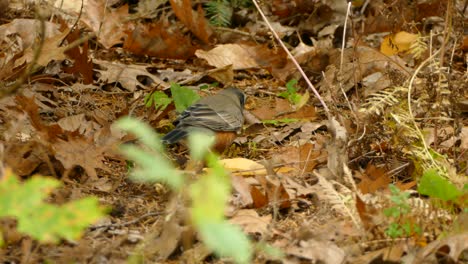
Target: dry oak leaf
[159,39]
[109,26]
[126,75]
[81,152]
[238,55]
[50,51]
[28,30]
[195,21]
[251,222]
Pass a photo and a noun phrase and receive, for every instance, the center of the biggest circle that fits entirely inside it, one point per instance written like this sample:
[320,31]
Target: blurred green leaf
[142,131]
[434,185]
[226,240]
[152,167]
[199,144]
[209,197]
[42,221]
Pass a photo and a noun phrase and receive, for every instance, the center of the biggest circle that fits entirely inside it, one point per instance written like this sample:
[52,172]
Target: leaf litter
[315,189]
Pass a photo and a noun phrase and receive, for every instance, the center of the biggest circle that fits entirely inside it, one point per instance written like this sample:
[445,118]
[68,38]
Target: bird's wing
[204,116]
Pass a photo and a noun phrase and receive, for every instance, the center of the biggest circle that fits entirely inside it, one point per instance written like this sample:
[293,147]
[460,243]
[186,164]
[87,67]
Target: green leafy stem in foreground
[209,194]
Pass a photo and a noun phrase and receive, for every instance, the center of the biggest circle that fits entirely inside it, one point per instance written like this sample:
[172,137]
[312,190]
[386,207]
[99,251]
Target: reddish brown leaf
[160,40]
[82,64]
[109,26]
[195,21]
[259,199]
[29,105]
[374,179]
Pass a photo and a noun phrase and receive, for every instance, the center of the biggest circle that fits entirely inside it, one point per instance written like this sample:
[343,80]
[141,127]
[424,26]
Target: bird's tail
[174,136]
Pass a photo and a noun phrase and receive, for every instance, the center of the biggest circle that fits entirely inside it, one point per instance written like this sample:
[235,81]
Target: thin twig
[311,86]
[134,221]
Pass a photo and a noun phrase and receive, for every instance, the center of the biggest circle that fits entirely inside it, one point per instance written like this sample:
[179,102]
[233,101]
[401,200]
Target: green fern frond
[219,12]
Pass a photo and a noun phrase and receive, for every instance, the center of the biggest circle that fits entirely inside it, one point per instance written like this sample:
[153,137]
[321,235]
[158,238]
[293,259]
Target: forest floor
[392,111]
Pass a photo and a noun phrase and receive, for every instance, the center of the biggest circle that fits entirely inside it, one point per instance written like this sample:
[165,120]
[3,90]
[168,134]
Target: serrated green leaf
[183,97]
[433,185]
[45,222]
[159,99]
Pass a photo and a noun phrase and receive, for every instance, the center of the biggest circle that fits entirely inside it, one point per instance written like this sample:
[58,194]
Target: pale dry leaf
[464,138]
[126,75]
[81,152]
[72,123]
[251,222]
[456,246]
[50,51]
[318,252]
[28,30]
[243,167]
[238,55]
[108,25]
[240,185]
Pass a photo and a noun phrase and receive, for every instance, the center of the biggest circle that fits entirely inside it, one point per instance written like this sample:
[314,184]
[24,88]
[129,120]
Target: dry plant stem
[76,22]
[447,31]
[410,110]
[341,64]
[311,86]
[342,57]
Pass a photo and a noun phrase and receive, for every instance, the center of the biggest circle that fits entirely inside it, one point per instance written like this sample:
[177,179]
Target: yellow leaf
[245,167]
[397,43]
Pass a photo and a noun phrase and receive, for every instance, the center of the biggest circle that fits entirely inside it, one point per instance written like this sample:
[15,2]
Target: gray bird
[220,114]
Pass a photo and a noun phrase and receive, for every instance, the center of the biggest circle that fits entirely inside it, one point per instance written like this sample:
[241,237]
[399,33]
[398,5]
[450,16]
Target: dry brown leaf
[108,25]
[259,199]
[374,179]
[391,254]
[50,51]
[318,252]
[82,64]
[81,152]
[126,75]
[195,21]
[251,222]
[159,39]
[28,30]
[303,158]
[358,63]
[452,247]
[238,55]
[240,185]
